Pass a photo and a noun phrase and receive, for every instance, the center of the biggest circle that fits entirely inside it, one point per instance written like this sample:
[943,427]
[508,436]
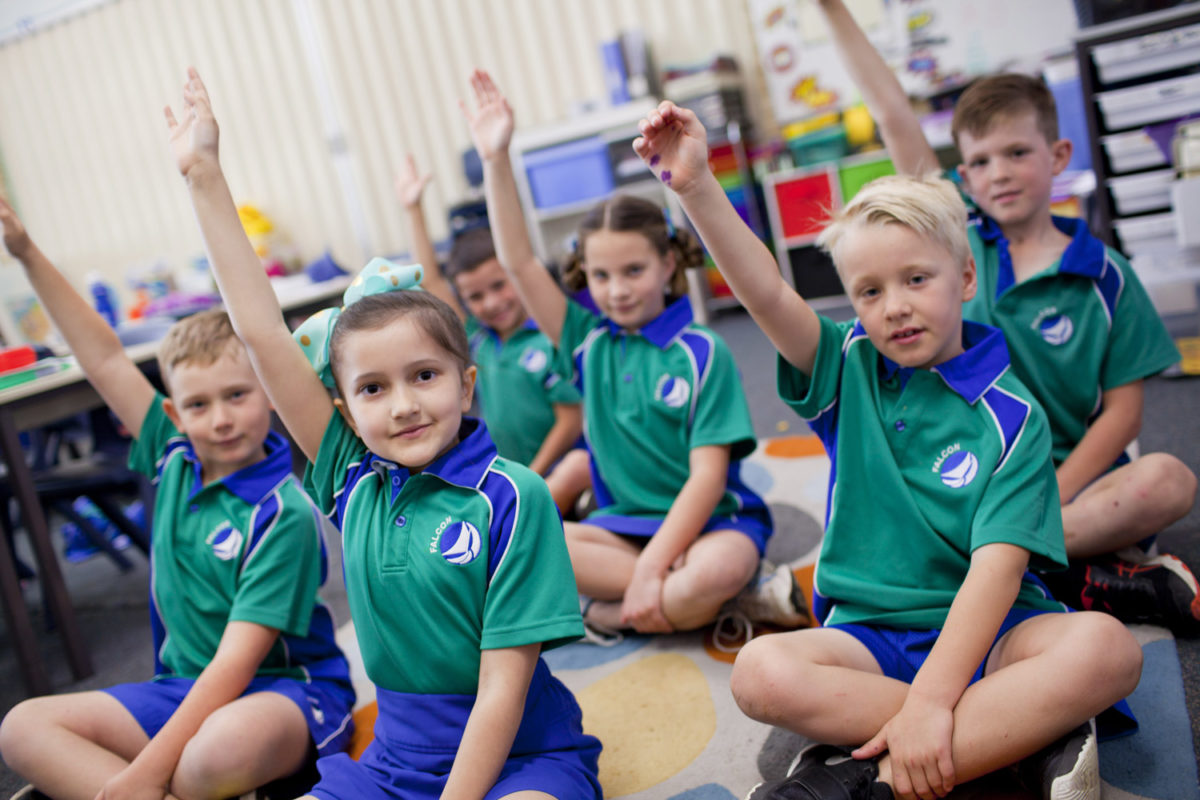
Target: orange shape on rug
[794,447]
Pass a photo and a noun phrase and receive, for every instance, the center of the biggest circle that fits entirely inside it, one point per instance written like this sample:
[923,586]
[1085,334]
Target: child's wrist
[203,171]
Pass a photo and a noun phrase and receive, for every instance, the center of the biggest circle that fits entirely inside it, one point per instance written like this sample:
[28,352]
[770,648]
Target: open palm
[193,139]
[492,122]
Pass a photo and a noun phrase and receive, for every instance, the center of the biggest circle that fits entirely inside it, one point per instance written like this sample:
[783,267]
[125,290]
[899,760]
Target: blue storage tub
[569,173]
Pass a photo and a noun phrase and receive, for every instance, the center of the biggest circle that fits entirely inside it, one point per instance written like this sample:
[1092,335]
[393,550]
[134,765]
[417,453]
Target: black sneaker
[826,772]
[1159,591]
[1068,769]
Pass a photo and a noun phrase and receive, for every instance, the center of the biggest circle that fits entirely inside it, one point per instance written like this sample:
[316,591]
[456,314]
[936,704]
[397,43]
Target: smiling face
[222,409]
[907,290]
[627,278]
[1009,169]
[491,298]
[404,394]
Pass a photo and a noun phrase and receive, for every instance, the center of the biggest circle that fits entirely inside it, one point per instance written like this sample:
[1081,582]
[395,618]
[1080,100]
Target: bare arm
[675,146]
[294,388]
[504,676]
[881,91]
[409,188]
[491,130]
[243,647]
[919,736]
[1106,438]
[568,424]
[708,471]
[94,343]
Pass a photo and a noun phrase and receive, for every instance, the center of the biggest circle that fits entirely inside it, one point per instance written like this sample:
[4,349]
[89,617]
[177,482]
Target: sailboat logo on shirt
[1056,330]
[959,469]
[534,360]
[226,542]
[460,544]
[673,392]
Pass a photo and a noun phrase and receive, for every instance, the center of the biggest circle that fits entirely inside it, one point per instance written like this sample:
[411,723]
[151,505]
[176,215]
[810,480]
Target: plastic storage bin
[1149,191]
[1148,235]
[569,173]
[1151,102]
[1144,55]
[1134,150]
[819,147]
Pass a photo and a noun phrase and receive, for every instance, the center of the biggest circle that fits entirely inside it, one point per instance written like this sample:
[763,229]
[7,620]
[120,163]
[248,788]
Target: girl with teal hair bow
[457,572]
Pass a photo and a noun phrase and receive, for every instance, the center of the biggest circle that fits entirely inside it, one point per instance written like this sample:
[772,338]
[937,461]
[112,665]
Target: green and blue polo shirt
[651,397]
[518,387]
[246,548]
[466,555]
[1080,327]
[927,465]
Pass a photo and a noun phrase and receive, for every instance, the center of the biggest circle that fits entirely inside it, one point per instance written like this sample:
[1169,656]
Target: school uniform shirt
[518,387]
[1080,327]
[466,555]
[927,465]
[246,548]
[649,398]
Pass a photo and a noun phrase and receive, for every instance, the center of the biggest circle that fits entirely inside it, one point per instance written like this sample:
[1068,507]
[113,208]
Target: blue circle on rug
[757,477]
[582,654]
[709,791]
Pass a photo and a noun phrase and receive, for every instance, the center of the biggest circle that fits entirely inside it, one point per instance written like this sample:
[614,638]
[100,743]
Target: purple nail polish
[666,177]
[654,159]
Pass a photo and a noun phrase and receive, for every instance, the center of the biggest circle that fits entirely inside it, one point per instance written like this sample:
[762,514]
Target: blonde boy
[1081,331]
[248,682]
[939,660]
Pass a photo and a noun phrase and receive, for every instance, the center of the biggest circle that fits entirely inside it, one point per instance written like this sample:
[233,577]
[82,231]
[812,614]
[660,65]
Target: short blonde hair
[200,339]
[929,206]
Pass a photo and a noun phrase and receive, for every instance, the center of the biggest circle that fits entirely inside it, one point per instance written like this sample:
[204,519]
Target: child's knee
[760,673]
[18,728]
[1109,650]
[1168,482]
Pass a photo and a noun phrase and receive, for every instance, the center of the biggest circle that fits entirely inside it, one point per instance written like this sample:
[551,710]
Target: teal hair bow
[378,276]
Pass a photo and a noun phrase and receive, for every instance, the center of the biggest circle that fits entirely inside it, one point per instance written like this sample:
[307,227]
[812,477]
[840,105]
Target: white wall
[317,100]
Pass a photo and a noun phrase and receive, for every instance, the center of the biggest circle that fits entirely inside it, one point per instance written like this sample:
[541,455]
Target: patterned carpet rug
[671,731]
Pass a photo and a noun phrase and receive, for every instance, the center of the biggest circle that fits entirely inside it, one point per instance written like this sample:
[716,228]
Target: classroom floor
[112,607]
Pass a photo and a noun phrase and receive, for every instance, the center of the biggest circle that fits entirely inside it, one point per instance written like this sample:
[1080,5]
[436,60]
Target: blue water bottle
[104,298]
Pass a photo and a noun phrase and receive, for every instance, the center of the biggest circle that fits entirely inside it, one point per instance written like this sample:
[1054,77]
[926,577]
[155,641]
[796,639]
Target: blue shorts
[327,705]
[755,524]
[417,738]
[900,653]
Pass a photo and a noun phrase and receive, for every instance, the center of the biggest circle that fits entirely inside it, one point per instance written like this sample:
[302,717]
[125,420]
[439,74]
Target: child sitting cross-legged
[248,681]
[940,658]
[457,575]
[1081,330]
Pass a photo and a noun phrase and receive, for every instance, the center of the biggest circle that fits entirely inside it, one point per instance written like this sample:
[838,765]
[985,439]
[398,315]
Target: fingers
[170,116]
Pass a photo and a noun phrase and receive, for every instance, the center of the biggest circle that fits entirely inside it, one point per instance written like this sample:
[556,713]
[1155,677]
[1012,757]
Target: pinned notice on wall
[931,44]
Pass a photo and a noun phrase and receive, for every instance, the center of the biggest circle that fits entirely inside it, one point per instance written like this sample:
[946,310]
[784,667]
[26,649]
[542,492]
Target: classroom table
[48,399]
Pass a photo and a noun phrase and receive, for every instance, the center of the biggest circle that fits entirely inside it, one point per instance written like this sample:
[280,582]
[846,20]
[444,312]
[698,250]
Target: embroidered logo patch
[1056,330]
[534,360]
[673,392]
[226,542]
[959,469]
[460,544]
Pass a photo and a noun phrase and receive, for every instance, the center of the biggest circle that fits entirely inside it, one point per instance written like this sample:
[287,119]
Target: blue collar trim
[1084,256]
[663,329]
[464,465]
[252,483]
[970,373]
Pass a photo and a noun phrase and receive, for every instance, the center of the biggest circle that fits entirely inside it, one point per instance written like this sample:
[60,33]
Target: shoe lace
[732,630]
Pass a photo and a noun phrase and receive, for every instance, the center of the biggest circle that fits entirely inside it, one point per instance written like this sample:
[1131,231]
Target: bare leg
[1127,505]
[569,478]
[241,746]
[715,568]
[70,745]
[1044,677]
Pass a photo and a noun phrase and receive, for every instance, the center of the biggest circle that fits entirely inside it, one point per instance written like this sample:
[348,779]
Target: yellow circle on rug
[654,717]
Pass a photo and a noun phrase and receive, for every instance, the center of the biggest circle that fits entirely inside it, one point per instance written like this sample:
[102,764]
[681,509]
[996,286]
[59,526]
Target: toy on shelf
[278,255]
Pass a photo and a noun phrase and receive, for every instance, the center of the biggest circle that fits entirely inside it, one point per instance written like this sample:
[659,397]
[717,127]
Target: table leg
[39,536]
[16,617]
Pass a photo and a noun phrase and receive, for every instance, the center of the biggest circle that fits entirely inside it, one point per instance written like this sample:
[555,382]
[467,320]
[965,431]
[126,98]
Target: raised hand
[193,139]
[492,122]
[409,185]
[674,145]
[16,238]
